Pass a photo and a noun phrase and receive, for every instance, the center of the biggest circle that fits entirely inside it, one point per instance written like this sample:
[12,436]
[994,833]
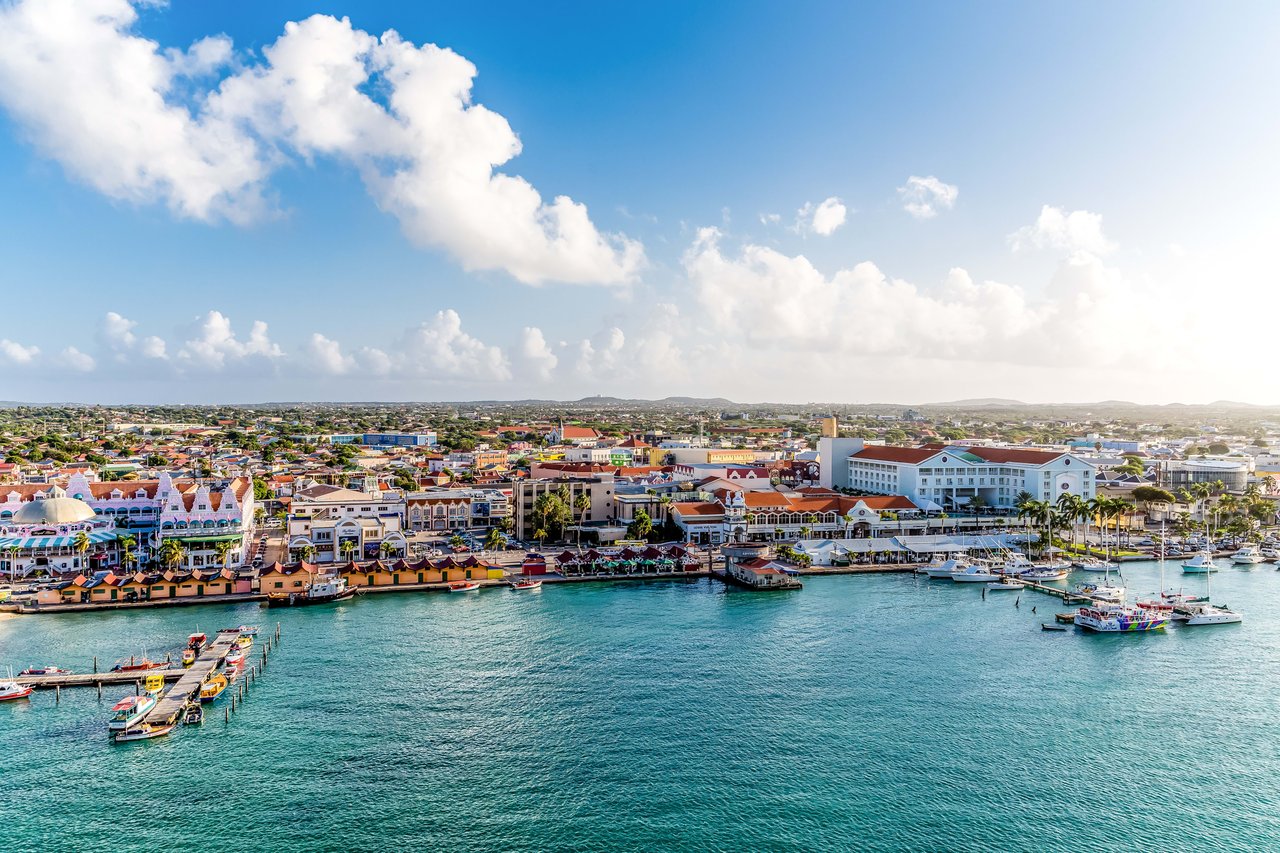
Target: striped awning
[29,543]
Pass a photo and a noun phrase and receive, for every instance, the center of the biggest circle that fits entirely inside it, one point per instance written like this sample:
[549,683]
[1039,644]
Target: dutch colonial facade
[737,516]
[452,510]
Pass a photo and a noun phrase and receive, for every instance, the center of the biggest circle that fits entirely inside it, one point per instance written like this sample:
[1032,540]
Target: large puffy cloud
[12,352]
[439,349]
[214,345]
[1070,231]
[925,197]
[535,357]
[112,107]
[101,101]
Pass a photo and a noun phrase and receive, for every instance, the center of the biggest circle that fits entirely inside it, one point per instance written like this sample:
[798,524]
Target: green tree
[223,550]
[494,540]
[641,526]
[347,548]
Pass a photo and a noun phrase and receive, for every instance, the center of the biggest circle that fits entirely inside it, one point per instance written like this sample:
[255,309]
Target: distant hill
[981,401]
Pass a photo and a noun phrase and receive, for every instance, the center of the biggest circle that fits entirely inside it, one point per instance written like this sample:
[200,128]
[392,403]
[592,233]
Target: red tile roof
[1000,455]
[888,453]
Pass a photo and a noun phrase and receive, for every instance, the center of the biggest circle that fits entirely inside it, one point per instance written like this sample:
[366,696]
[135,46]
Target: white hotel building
[949,477]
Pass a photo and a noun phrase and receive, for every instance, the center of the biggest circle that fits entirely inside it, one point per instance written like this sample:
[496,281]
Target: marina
[505,675]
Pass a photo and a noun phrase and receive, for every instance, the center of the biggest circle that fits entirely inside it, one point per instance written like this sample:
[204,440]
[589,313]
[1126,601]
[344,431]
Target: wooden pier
[176,697]
[97,679]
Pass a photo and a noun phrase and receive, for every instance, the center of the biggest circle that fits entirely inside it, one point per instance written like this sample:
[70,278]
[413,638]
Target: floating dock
[176,697]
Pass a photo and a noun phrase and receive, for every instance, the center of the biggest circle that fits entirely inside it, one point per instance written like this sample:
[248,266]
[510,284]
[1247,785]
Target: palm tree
[348,547]
[13,551]
[308,552]
[582,503]
[386,548]
[223,550]
[81,543]
[127,545]
[805,531]
[172,553]
[540,534]
[493,540]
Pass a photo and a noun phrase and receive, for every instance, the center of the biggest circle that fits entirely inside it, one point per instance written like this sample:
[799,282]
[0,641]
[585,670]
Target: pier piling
[57,695]
[95,664]
[99,690]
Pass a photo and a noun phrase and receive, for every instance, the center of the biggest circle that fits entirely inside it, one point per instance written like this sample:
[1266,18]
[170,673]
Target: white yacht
[1017,564]
[975,574]
[1204,613]
[1249,555]
[944,569]
[1091,564]
[1100,592]
[1200,564]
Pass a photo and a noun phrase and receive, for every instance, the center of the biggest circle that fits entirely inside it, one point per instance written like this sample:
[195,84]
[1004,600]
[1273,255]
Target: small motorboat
[232,674]
[1211,614]
[1045,574]
[1099,592]
[526,583]
[1006,584]
[235,657]
[212,689]
[10,690]
[45,670]
[974,574]
[248,630]
[130,711]
[1049,626]
[1249,555]
[197,641]
[1066,618]
[244,641]
[193,714]
[188,656]
[146,731]
[464,586]
[1091,564]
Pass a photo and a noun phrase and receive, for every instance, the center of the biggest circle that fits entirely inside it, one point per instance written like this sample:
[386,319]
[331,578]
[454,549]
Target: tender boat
[1249,555]
[197,641]
[526,583]
[1120,618]
[212,689]
[1091,564]
[464,586]
[320,592]
[193,714]
[1200,564]
[1049,626]
[10,690]
[1006,584]
[130,711]
[1101,592]
[45,670]
[235,657]
[974,573]
[146,731]
[188,656]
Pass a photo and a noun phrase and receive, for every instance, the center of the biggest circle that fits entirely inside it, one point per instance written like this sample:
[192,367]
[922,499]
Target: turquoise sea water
[872,713]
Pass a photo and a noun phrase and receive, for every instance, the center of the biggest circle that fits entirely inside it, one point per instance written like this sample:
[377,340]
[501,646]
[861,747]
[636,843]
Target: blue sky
[1104,172]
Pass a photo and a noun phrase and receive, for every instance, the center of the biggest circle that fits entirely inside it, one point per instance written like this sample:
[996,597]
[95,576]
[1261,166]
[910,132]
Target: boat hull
[22,693]
[143,734]
[300,600]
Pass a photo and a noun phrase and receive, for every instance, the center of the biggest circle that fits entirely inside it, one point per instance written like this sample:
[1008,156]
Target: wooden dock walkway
[176,697]
[97,679]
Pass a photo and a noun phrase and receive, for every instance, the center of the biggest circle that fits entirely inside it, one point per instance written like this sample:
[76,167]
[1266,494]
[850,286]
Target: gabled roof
[888,453]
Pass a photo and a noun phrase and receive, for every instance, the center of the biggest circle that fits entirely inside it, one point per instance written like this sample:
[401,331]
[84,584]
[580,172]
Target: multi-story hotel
[949,477]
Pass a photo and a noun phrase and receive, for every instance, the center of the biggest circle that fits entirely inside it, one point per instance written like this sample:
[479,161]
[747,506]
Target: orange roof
[700,508]
[888,453]
[1006,454]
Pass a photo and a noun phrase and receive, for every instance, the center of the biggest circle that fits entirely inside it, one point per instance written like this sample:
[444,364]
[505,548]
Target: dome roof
[56,510]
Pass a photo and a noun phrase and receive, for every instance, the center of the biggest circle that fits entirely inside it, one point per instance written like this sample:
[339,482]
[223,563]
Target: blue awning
[27,543]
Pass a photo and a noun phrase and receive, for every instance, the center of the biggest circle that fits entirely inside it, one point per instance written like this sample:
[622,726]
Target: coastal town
[104,508]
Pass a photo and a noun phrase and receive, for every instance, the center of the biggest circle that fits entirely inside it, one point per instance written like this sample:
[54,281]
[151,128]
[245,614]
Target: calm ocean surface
[871,713]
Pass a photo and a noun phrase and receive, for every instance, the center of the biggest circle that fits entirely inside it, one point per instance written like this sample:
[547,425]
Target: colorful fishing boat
[464,586]
[235,657]
[526,583]
[212,689]
[145,731]
[193,714]
[130,711]
[10,690]
[188,656]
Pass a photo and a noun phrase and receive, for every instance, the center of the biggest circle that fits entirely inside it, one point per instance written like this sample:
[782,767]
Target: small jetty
[175,699]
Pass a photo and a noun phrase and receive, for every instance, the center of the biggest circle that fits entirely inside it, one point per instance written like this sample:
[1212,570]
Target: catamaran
[1120,618]
[1206,612]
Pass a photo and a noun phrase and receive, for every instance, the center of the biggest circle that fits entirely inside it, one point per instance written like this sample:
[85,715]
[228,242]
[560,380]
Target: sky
[809,202]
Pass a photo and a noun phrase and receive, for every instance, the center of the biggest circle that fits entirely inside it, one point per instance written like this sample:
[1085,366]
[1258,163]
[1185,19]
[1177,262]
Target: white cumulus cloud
[142,123]
[924,197]
[1070,231]
[215,344]
[535,356]
[15,353]
[822,218]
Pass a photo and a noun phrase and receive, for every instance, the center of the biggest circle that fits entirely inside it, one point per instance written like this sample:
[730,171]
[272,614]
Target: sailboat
[1206,612]
[1166,599]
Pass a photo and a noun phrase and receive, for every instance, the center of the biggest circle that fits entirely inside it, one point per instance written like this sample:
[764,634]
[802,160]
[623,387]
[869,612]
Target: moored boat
[1120,618]
[1249,555]
[1006,584]
[10,690]
[136,665]
[526,584]
[1091,564]
[45,670]
[144,731]
[1210,614]
[1200,564]
[212,689]
[1045,574]
[975,574]
[464,586]
[235,657]
[130,711]
[321,592]
[1100,592]
[188,656]
[193,714]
